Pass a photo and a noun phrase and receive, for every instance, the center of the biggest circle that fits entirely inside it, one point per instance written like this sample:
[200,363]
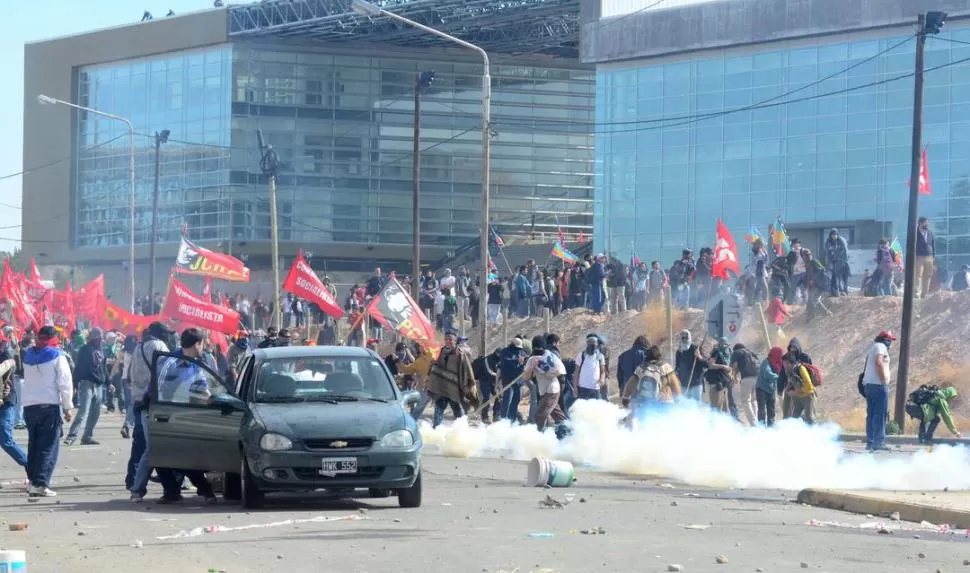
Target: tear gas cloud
[696,445]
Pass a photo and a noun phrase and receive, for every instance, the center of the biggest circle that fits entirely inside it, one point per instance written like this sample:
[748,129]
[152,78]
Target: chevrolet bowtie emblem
[338,444]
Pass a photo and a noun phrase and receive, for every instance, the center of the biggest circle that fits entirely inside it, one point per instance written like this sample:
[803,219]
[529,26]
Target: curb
[906,440]
[869,504]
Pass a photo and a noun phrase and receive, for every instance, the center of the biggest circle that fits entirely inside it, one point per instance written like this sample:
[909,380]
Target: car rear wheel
[411,496]
[379,493]
[252,496]
[232,487]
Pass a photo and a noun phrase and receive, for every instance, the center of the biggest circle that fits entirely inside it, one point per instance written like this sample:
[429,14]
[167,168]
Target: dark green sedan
[299,419]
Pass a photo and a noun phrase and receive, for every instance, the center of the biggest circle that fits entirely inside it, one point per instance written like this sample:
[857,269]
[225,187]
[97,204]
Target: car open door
[193,418]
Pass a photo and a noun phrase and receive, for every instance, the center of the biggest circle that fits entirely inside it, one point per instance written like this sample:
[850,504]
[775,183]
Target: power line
[687,120]
[757,105]
[57,161]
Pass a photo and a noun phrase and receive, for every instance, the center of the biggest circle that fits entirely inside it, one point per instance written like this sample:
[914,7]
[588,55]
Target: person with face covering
[767,384]
[691,367]
[91,371]
[451,381]
[875,379]
[547,369]
[800,389]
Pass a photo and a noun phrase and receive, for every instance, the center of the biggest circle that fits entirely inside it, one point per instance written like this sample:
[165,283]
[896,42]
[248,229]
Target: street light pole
[371,10]
[47,100]
[422,82]
[160,138]
[929,23]
[269,164]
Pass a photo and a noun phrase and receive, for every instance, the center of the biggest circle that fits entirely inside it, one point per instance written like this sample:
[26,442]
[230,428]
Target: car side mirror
[227,403]
[411,397]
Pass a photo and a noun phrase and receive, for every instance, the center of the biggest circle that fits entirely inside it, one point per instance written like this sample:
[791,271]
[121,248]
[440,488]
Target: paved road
[477,517]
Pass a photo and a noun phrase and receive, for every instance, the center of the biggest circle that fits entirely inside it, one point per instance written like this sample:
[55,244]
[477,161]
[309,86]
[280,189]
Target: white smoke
[691,443]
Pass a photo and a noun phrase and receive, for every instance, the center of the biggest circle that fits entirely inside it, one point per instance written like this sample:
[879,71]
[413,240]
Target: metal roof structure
[514,27]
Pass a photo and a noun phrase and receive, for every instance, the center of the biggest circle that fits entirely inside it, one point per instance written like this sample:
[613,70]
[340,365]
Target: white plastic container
[554,473]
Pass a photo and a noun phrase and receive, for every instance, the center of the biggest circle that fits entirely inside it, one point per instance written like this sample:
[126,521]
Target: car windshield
[332,380]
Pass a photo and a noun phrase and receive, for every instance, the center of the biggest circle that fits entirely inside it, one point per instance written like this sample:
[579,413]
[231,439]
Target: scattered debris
[721,559]
[196,532]
[77,479]
[33,499]
[666,485]
[884,531]
[966,561]
[675,567]
[582,500]
[397,520]
[593,531]
[551,502]
[446,504]
[541,535]
[894,516]
[673,504]
[138,544]
[921,555]
[18,526]
[81,534]
[692,494]
[804,564]
[696,526]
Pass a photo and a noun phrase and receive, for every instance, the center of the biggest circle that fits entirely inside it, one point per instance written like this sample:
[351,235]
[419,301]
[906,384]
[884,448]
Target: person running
[767,385]
[8,411]
[48,398]
[800,389]
[547,368]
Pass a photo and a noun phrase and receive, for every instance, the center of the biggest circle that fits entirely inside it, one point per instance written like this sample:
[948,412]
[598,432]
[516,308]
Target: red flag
[12,291]
[62,309]
[87,299]
[725,254]
[194,260]
[183,305]
[34,273]
[924,176]
[112,317]
[304,283]
[394,308]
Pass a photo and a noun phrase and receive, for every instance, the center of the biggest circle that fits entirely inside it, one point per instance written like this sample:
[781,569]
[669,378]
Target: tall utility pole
[421,83]
[269,164]
[929,23]
[160,138]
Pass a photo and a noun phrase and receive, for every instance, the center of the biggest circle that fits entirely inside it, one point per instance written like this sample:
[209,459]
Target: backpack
[750,364]
[649,383]
[677,272]
[815,373]
[922,395]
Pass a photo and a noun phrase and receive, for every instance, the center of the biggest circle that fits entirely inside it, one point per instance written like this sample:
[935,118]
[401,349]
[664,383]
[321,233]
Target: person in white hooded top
[47,398]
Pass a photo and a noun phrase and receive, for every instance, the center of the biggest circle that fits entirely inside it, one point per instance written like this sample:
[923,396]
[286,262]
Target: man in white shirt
[547,368]
[590,369]
[875,380]
[47,397]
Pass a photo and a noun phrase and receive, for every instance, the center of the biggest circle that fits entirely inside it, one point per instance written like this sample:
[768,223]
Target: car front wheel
[411,496]
[252,496]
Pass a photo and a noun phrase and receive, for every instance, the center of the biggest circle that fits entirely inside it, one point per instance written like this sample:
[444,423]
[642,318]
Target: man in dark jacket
[91,372]
[271,340]
[485,369]
[630,360]
[690,366]
[837,255]
[511,364]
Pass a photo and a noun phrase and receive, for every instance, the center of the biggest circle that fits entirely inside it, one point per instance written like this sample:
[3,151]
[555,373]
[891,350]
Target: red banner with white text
[194,260]
[304,283]
[183,305]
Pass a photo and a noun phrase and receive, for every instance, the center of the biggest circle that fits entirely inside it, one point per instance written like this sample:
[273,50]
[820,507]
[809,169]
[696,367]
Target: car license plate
[337,466]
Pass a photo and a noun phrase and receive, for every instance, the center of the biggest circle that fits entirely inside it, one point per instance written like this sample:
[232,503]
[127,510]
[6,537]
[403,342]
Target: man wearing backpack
[800,389]
[875,379]
[746,365]
[928,404]
[653,383]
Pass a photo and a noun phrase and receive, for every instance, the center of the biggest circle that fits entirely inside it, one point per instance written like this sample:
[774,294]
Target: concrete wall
[49,68]
[656,32]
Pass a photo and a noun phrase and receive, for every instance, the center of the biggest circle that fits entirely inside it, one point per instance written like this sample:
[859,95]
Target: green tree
[18,261]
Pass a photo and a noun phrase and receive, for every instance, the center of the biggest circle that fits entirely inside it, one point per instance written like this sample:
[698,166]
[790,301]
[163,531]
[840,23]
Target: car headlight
[275,442]
[398,439]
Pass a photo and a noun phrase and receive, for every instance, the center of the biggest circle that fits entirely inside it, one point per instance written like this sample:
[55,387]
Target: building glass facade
[681,142]
[187,93]
[342,125]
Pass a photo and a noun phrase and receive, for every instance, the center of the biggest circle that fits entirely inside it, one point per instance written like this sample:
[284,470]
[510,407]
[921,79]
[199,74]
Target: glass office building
[815,131]
[343,127]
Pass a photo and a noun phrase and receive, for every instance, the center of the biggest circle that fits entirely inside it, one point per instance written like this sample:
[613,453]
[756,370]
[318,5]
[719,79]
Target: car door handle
[160,418]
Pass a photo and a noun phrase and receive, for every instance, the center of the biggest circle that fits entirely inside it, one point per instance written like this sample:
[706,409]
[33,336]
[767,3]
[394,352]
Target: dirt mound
[837,343]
